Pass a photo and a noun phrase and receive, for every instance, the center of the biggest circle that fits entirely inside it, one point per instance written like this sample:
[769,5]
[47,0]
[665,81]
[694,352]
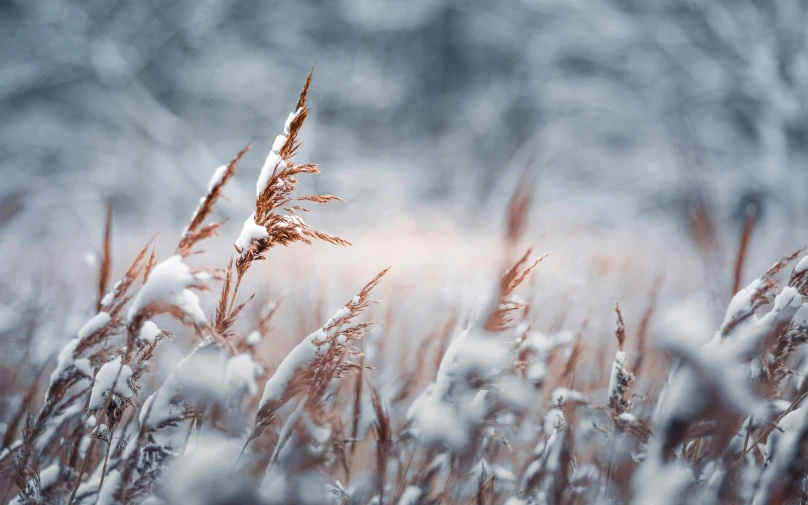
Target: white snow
[286,430]
[101,430]
[299,357]
[55,423]
[67,359]
[254,337]
[168,283]
[148,332]
[217,177]
[273,160]
[158,407]
[447,411]
[95,324]
[437,422]
[802,265]
[8,450]
[662,484]
[280,140]
[204,475]
[483,469]
[106,378]
[410,496]
[240,375]
[781,449]
[467,356]
[106,496]
[740,302]
[49,476]
[291,117]
[536,371]
[800,318]
[563,395]
[107,300]
[342,313]
[249,232]
[618,368]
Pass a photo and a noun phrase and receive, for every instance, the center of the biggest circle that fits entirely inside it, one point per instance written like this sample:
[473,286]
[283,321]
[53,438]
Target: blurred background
[651,127]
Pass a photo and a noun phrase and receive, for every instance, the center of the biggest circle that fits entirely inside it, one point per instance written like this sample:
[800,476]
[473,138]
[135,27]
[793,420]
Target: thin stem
[240,454]
[779,418]
[233,298]
[404,476]
[187,436]
[81,472]
[106,459]
[8,490]
[609,468]
[746,440]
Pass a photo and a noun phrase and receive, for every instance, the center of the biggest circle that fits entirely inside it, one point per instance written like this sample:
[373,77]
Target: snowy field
[563,277]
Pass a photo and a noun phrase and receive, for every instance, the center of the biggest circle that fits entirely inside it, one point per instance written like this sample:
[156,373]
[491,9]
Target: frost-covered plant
[495,406]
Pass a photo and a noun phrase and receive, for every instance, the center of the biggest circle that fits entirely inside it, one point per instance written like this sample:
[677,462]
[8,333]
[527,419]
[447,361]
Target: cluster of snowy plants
[497,410]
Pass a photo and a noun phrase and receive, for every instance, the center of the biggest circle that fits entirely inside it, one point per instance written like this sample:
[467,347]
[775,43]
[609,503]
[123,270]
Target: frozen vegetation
[188,384]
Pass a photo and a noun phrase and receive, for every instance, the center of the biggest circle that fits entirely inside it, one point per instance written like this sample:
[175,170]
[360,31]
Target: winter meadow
[607,305]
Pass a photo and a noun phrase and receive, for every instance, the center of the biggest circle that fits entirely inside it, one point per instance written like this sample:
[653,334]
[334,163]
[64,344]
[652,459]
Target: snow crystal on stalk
[300,357]
[107,378]
[562,395]
[168,282]
[101,430]
[95,324]
[802,265]
[619,381]
[277,145]
[291,117]
[340,314]
[67,359]
[107,300]
[217,177]
[249,232]
[273,160]
[741,302]
[148,332]
[786,305]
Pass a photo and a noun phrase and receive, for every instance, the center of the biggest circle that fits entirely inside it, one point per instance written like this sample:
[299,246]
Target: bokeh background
[650,127]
